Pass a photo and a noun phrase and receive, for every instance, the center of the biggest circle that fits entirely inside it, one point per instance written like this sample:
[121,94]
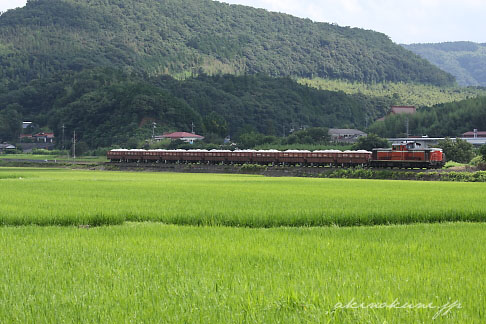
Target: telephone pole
[154,125]
[406,126]
[74,145]
[62,144]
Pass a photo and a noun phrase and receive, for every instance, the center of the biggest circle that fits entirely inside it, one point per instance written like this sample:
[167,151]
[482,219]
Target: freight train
[404,155]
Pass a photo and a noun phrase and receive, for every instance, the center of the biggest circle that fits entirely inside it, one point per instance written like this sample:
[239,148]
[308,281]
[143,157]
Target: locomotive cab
[406,146]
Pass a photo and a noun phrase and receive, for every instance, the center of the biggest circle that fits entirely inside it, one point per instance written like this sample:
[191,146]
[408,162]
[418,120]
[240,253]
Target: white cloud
[10,4]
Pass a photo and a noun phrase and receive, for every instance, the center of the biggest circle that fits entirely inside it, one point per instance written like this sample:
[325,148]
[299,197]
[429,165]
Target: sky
[405,21]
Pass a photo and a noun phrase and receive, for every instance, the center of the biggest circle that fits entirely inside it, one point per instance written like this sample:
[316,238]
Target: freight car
[401,156]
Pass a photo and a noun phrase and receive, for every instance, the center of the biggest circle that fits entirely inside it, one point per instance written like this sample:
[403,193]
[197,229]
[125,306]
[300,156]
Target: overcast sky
[405,21]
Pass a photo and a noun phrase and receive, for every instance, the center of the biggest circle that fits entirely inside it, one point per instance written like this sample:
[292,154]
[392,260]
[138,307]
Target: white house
[183,136]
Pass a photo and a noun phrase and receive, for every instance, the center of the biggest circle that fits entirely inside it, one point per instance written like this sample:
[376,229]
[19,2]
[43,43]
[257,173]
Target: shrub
[48,152]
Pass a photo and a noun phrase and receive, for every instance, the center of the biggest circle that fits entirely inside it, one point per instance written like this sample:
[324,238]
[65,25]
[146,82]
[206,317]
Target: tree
[216,124]
[249,140]
[10,122]
[313,135]
[370,142]
[457,151]
[482,151]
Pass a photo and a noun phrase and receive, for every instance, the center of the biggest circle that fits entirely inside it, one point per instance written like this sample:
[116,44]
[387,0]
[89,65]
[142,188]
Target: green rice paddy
[155,273]
[264,250]
[65,197]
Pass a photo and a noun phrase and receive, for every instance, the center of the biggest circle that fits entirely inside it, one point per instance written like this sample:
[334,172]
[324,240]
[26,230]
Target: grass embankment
[153,273]
[51,158]
[66,197]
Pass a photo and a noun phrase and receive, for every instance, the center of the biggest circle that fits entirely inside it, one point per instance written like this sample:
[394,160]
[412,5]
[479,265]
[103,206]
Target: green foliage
[482,151]
[449,119]
[476,160]
[305,138]
[361,173]
[216,124]
[184,38]
[252,139]
[108,107]
[49,152]
[272,106]
[252,168]
[370,142]
[452,164]
[401,93]
[465,60]
[313,135]
[458,150]
[10,122]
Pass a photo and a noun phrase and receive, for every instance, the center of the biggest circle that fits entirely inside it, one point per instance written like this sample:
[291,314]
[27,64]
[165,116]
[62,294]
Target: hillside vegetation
[109,107]
[186,37]
[465,60]
[449,119]
[401,93]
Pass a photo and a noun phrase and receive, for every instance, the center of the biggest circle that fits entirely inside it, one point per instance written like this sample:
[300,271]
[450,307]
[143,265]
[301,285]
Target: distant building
[345,135]
[183,136]
[400,110]
[428,142]
[24,137]
[26,124]
[44,137]
[474,134]
[5,147]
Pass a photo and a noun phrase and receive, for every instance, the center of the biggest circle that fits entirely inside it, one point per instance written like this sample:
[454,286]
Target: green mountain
[185,37]
[465,60]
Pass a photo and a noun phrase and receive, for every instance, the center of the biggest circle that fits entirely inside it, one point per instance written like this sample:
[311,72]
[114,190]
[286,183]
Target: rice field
[155,273]
[67,197]
[206,248]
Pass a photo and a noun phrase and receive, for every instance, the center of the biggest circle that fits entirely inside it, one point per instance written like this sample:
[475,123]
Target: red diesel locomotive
[407,155]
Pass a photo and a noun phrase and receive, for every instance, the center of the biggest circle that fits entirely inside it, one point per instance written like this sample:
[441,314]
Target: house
[345,135]
[26,137]
[5,147]
[44,137]
[26,124]
[400,110]
[183,136]
[474,134]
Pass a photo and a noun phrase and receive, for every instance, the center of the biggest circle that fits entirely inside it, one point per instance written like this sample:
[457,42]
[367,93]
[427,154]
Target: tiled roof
[181,135]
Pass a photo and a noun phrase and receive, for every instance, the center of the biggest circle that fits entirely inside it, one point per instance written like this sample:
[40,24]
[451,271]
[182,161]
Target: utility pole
[63,127]
[74,145]
[406,125]
[192,127]
[154,125]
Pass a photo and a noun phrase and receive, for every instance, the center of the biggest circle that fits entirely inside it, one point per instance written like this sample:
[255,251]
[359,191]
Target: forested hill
[108,107]
[465,60]
[185,37]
